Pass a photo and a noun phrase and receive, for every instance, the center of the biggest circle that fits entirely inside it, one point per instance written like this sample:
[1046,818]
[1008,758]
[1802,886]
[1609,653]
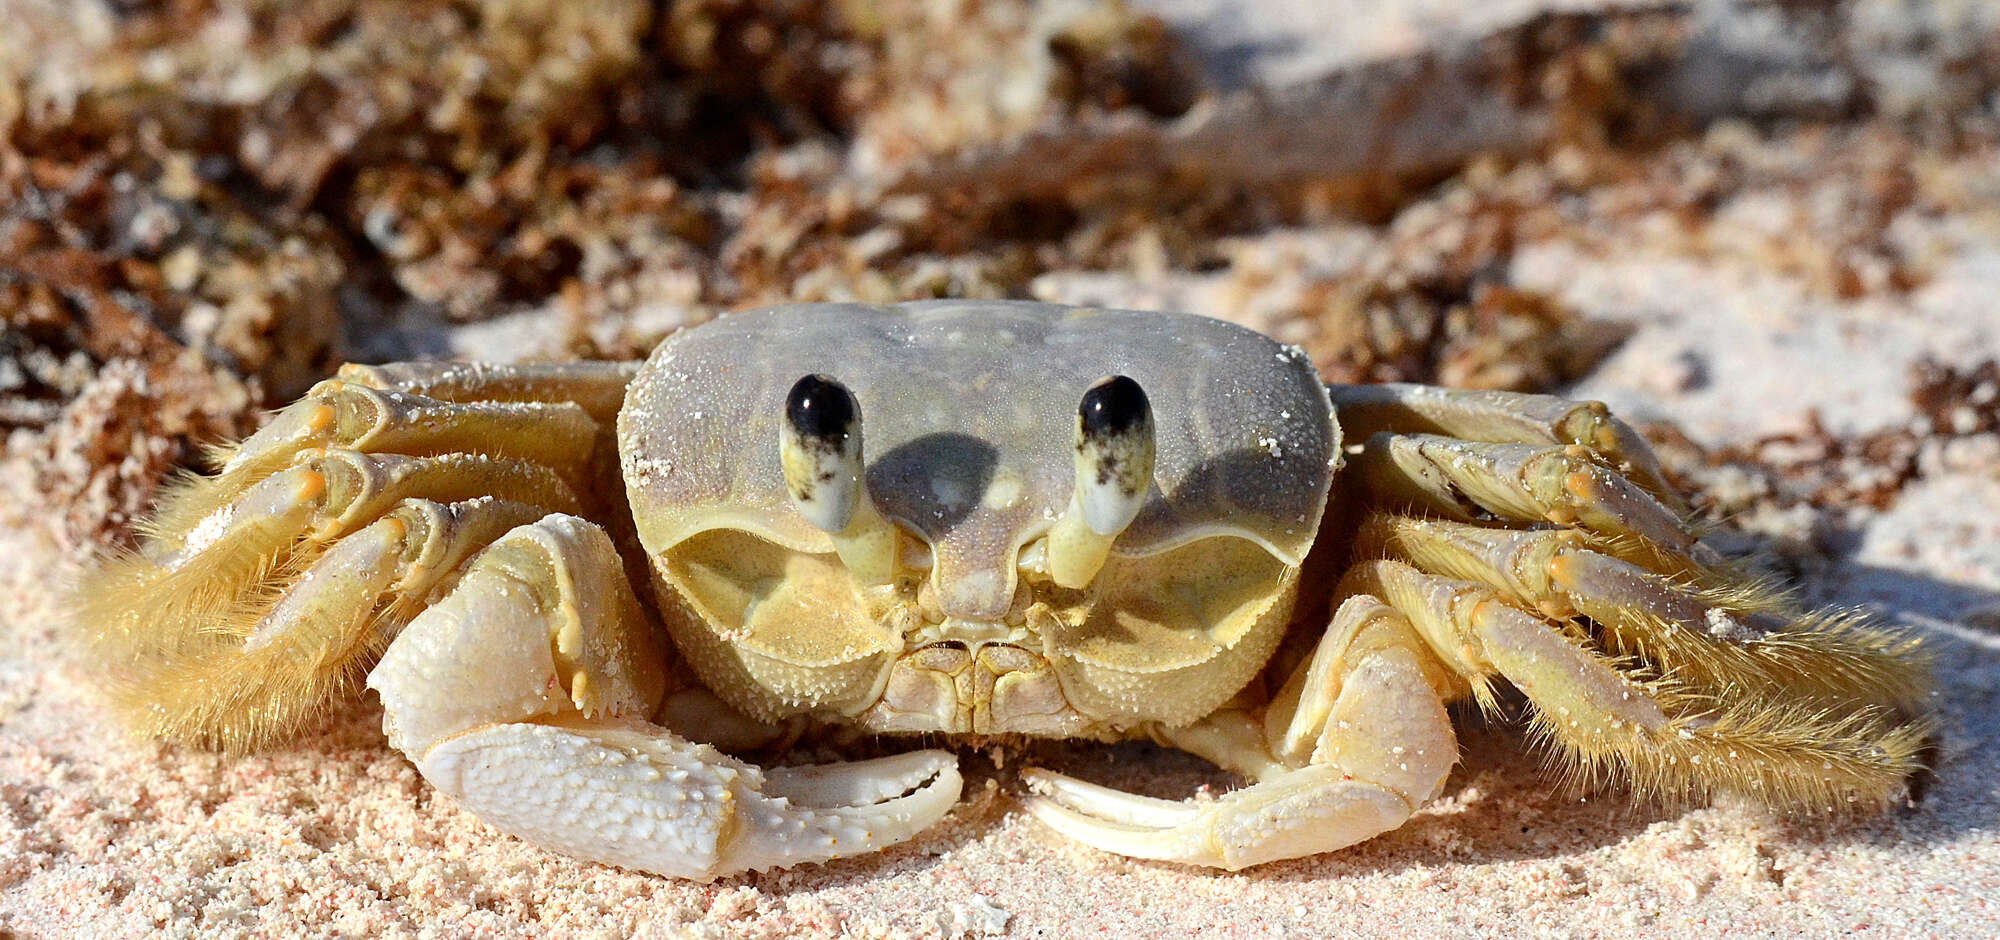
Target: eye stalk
[1114,472]
[819,447]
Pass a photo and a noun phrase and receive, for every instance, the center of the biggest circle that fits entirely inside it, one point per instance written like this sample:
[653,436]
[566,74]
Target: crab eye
[819,449]
[1114,472]
[1114,453]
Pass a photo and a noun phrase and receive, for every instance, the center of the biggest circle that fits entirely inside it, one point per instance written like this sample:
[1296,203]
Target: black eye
[819,408]
[1112,407]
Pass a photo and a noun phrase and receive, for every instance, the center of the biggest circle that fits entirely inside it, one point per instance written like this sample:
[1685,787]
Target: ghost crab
[1059,522]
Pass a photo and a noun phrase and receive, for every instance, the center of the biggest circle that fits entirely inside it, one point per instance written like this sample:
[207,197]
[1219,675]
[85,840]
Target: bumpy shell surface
[968,412]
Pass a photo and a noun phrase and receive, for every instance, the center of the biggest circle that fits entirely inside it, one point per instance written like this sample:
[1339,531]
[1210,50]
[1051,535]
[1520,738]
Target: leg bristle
[1788,758]
[130,608]
[1817,657]
[228,696]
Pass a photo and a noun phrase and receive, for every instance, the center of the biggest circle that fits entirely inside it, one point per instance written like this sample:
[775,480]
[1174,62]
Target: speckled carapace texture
[205,204]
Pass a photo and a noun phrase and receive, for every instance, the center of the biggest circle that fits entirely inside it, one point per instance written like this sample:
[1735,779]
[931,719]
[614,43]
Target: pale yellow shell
[968,409]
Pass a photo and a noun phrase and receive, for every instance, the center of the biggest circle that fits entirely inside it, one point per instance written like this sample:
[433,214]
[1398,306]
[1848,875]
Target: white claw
[636,797]
[794,834]
[519,695]
[1300,812]
[1069,793]
[857,783]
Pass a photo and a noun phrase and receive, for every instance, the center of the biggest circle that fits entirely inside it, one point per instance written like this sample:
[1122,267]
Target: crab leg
[599,387]
[525,694]
[554,414]
[1719,639]
[1503,418]
[212,583]
[1354,744]
[1652,732]
[243,680]
[342,416]
[320,498]
[354,417]
[1468,480]
[259,593]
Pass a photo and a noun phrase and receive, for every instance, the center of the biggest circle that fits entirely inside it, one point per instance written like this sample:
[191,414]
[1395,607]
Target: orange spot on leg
[312,484]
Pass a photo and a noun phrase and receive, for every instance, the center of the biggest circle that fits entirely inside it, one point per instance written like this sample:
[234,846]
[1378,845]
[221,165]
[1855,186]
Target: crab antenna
[1114,472]
[819,447]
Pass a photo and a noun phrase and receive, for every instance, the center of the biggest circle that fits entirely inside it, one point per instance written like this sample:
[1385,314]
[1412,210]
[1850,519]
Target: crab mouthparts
[980,687]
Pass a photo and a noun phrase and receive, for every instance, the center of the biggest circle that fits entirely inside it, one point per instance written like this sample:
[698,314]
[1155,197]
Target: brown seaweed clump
[205,205]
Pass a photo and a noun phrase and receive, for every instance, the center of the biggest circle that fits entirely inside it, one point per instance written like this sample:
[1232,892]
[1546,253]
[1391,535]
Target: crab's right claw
[640,797]
[525,694]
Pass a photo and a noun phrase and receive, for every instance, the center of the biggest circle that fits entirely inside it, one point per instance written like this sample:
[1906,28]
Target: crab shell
[969,415]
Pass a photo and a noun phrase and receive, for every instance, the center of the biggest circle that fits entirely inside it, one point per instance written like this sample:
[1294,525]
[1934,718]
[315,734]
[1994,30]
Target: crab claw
[525,693]
[1352,745]
[1300,812]
[643,798]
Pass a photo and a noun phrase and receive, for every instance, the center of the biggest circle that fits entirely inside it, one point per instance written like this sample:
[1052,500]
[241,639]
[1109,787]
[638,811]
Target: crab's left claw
[1303,812]
[525,693]
[1352,745]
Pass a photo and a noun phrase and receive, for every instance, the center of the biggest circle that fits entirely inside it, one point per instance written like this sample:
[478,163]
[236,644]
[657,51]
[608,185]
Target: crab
[1059,522]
